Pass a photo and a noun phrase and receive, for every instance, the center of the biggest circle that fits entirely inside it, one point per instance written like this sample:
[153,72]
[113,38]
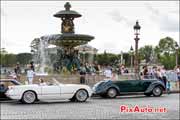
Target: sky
[110,22]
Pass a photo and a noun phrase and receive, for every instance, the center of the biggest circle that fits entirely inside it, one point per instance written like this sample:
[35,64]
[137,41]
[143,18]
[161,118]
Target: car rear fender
[153,85]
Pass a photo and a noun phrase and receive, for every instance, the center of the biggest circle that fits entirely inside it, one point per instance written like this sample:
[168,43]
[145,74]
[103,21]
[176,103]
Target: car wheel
[148,94]
[29,97]
[112,93]
[157,91]
[81,95]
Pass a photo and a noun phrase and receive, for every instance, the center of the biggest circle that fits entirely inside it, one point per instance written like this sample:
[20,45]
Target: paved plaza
[94,108]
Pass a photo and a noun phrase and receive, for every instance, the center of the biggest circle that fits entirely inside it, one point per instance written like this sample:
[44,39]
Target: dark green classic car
[111,89]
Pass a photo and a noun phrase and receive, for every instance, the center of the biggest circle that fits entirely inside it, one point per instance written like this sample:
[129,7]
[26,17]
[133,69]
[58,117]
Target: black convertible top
[10,80]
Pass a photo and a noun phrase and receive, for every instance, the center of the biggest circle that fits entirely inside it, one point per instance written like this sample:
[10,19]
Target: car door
[67,91]
[136,86]
[124,86]
[50,92]
[145,84]
[129,86]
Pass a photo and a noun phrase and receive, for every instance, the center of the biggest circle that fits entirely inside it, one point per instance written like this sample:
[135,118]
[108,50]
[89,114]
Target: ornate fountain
[67,40]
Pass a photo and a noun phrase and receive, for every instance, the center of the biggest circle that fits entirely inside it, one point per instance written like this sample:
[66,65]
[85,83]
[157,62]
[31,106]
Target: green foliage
[9,59]
[127,58]
[168,61]
[107,59]
[167,45]
[166,52]
[24,58]
[146,52]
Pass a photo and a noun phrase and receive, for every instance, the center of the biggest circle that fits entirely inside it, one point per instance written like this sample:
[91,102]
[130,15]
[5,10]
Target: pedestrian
[122,69]
[14,77]
[108,72]
[159,75]
[32,65]
[30,75]
[168,86]
[164,76]
[145,72]
[17,71]
[177,71]
[82,74]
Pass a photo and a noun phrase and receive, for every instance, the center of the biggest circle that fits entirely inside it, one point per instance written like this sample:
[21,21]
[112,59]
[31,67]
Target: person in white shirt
[30,75]
[178,72]
[108,73]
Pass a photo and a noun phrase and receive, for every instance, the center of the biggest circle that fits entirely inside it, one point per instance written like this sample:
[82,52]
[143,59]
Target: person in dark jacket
[17,71]
[82,74]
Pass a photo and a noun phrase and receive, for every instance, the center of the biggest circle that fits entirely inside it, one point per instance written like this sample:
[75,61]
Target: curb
[174,91]
[165,92]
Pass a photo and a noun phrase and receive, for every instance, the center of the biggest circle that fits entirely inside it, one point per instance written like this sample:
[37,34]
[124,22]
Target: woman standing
[30,75]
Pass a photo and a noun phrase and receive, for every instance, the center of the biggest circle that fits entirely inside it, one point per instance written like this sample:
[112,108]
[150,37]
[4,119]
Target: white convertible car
[50,91]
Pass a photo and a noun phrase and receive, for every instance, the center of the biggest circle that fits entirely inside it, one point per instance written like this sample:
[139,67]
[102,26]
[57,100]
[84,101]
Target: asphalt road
[94,108]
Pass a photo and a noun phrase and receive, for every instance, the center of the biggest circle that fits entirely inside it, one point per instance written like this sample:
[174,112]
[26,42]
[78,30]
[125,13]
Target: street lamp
[84,56]
[137,28]
[177,48]
[131,52]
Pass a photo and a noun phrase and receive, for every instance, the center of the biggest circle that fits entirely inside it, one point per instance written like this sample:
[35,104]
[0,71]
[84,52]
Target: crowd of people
[158,72]
[162,74]
[109,72]
[30,73]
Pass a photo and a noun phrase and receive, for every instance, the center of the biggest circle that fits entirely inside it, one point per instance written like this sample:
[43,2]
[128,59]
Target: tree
[167,45]
[145,53]
[3,51]
[9,60]
[24,58]
[107,59]
[165,52]
[127,58]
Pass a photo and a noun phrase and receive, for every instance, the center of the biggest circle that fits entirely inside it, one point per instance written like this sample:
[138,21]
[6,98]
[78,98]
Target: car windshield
[128,76]
[55,82]
[148,77]
[101,82]
[131,76]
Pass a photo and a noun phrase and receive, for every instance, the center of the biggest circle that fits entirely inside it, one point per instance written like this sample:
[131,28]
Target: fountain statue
[67,40]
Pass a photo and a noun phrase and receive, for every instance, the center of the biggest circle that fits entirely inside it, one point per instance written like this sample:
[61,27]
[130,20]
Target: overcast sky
[110,22]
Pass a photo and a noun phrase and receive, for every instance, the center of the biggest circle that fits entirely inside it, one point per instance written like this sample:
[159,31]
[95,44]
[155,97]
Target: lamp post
[84,56]
[177,48]
[137,28]
[131,52]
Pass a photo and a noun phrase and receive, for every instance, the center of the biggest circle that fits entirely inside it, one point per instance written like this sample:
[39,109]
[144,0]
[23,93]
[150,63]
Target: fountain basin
[68,39]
